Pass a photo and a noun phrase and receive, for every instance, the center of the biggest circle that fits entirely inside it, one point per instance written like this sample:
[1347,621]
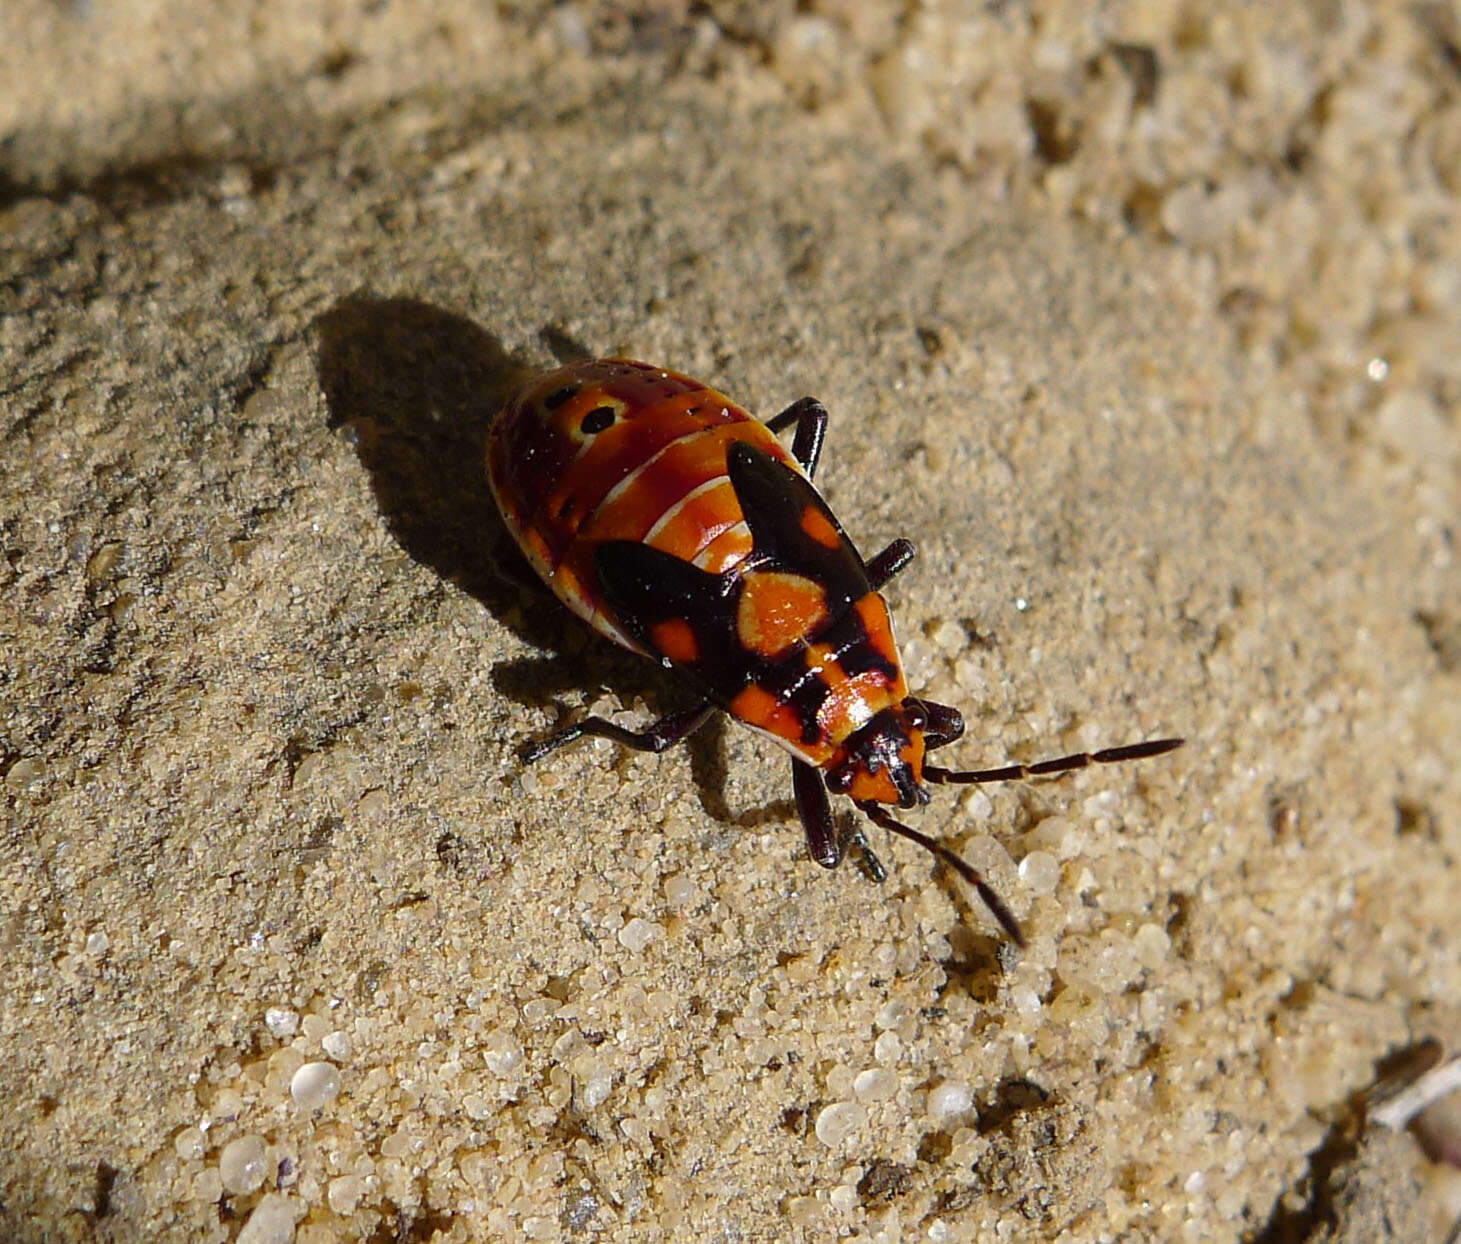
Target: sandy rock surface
[1139,321]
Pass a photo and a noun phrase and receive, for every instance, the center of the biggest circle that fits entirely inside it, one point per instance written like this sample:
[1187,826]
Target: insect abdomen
[655,473]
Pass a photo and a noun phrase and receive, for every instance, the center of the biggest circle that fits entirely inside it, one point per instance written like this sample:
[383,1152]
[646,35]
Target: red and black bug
[680,527]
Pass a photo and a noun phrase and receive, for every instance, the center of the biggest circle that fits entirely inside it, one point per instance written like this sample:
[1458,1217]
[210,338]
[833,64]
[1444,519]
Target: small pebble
[536,1010]
[875,1084]
[950,636]
[25,772]
[890,1015]
[502,1052]
[343,1194]
[227,1106]
[835,1123]
[949,1100]
[281,1067]
[243,1164]
[207,1186]
[1025,1000]
[281,1021]
[1040,872]
[396,1145]
[888,1048]
[839,1080]
[638,933]
[1152,944]
[596,1082]
[188,1144]
[315,1085]
[569,1046]
[272,1222]
[679,892]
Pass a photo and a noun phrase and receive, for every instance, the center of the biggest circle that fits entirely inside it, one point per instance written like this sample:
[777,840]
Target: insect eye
[915,714]
[599,418]
[839,781]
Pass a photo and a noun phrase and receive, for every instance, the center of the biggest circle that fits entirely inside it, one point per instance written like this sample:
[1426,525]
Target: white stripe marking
[618,489]
[702,558]
[671,511]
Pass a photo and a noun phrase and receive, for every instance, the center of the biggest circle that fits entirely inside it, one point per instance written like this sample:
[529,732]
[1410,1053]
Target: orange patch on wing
[777,609]
[675,638]
[816,525]
[758,707]
[873,610]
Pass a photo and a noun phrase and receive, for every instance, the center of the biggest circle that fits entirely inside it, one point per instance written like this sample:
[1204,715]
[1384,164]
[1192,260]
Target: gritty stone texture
[1139,320]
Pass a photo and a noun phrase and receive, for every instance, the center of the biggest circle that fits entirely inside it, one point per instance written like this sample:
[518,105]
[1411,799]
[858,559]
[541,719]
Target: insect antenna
[967,871]
[1063,764]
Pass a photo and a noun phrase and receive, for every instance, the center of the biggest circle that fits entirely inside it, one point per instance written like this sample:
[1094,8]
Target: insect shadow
[540,681]
[418,387]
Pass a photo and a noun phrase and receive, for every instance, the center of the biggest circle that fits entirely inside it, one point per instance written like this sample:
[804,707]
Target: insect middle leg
[823,841]
[815,810]
[889,562]
[664,733]
[810,417]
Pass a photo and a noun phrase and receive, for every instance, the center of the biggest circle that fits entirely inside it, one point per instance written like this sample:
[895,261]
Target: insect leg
[945,724]
[665,732]
[871,865]
[966,870]
[810,417]
[889,562]
[815,811]
[1079,760]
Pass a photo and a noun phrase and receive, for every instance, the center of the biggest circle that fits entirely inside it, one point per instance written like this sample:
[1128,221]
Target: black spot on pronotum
[599,418]
[560,395]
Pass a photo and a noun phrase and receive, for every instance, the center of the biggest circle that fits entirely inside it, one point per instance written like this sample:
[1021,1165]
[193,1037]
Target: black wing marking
[647,587]
[774,499]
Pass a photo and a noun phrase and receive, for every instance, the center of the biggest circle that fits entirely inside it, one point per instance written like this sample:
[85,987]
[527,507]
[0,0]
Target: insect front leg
[662,734]
[810,417]
[823,841]
[945,724]
[872,867]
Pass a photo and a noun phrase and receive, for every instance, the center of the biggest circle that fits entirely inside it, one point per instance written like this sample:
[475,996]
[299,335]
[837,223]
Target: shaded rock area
[1138,320]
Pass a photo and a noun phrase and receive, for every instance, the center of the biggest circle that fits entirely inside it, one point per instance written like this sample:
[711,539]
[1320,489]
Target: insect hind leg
[657,737]
[810,417]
